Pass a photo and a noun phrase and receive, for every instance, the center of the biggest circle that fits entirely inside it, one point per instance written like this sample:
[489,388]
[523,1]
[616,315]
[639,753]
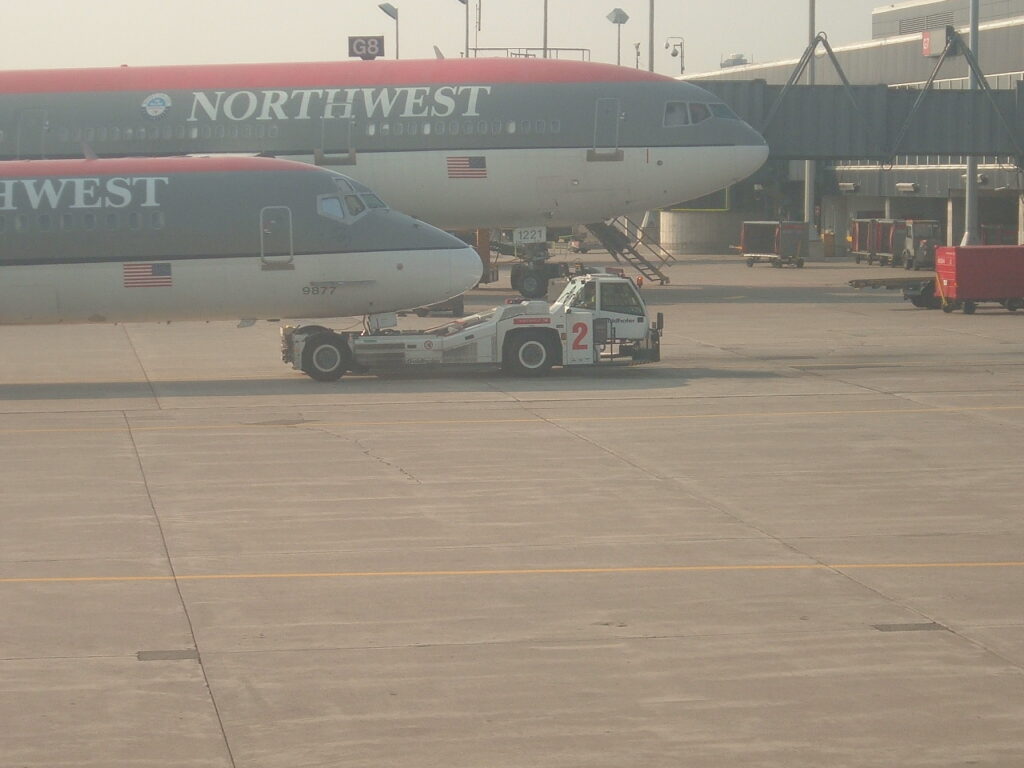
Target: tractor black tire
[529,353]
[326,357]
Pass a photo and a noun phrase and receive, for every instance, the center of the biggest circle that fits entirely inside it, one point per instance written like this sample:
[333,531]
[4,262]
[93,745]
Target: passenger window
[67,221]
[89,221]
[586,298]
[721,110]
[699,113]
[3,223]
[330,207]
[354,204]
[44,222]
[676,114]
[621,298]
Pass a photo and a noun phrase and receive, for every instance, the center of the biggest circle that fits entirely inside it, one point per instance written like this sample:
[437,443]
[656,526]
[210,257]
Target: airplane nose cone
[746,160]
[465,269]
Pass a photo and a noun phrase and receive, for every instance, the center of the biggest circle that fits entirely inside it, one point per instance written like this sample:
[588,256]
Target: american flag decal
[147,275]
[467,167]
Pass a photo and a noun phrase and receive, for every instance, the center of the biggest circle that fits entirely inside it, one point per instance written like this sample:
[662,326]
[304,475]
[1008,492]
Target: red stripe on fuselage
[131,166]
[319,74]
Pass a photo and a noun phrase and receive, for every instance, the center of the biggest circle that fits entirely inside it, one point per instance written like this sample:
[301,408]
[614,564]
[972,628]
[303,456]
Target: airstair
[638,252]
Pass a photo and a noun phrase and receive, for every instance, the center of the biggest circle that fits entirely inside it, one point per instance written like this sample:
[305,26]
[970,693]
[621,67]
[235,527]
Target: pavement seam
[177,587]
[142,368]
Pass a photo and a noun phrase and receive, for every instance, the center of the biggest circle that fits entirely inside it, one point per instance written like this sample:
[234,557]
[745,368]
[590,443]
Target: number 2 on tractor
[581,330]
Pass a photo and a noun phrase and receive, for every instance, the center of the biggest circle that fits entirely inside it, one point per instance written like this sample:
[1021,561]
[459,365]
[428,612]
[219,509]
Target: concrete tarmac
[796,541]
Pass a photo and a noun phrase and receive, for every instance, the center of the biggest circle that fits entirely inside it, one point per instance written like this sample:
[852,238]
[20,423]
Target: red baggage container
[967,275]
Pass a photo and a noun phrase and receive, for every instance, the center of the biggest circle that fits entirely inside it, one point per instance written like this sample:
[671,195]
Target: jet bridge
[823,122]
[876,122]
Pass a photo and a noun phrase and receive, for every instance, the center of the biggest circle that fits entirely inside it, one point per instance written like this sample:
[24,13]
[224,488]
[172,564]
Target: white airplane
[461,143]
[210,238]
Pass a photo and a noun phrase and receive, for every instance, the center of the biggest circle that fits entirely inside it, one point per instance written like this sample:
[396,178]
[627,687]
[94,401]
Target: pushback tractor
[598,319]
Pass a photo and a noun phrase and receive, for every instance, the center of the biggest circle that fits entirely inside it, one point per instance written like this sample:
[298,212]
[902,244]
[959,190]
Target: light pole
[677,50]
[618,17]
[637,46]
[971,187]
[391,11]
[466,52]
[650,41]
[809,169]
[545,29]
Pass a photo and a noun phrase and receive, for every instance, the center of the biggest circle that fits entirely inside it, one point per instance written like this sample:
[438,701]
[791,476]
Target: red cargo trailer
[892,238]
[864,239]
[776,242]
[969,275]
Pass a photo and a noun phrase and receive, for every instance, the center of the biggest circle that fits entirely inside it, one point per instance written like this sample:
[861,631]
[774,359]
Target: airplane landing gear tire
[326,356]
[533,285]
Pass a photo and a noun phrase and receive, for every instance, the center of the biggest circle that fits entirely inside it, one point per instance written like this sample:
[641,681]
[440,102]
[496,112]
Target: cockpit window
[343,185]
[721,110]
[372,201]
[699,113]
[354,204]
[330,206]
[676,114]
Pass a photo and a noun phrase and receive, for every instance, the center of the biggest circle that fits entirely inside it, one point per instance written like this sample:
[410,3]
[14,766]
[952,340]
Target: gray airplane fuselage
[544,141]
[136,239]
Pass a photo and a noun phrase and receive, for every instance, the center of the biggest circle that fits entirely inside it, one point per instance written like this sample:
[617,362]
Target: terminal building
[908,186]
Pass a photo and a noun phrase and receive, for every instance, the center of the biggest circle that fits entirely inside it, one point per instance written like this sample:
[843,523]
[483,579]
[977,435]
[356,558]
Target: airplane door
[276,245]
[32,127]
[336,142]
[606,131]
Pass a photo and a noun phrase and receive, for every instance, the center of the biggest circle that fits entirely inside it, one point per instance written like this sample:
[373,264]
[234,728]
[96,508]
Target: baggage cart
[967,276]
[779,243]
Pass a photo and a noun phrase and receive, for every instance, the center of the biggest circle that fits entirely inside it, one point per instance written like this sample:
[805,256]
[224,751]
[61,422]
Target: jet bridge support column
[1020,219]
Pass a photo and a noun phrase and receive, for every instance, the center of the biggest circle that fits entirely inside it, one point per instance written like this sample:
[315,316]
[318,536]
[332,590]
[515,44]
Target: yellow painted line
[507,572]
[521,420]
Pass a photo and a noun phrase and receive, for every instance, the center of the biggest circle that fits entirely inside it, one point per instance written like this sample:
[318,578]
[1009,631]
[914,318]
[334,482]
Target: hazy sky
[71,33]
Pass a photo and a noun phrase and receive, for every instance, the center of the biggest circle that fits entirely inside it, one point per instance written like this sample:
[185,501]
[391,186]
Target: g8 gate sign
[366,48]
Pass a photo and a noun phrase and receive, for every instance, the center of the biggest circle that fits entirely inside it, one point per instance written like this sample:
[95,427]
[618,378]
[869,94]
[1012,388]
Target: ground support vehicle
[892,238]
[864,237]
[919,291]
[970,275]
[780,243]
[598,319]
[923,236]
[881,240]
